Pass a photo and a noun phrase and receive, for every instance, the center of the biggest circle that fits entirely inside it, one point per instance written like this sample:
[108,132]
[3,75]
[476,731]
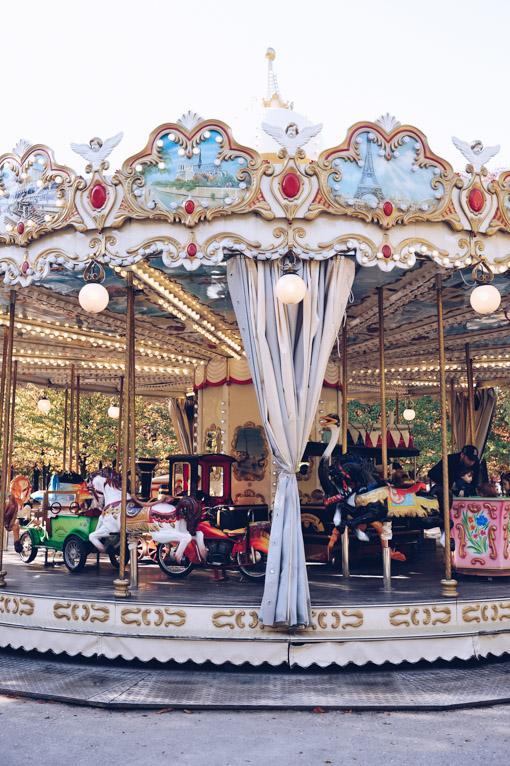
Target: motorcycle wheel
[29,551]
[256,571]
[165,556]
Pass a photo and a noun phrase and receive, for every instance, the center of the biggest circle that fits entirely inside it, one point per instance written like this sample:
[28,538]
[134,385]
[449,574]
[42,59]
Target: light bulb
[485,299]
[113,412]
[409,414]
[93,297]
[44,405]
[290,288]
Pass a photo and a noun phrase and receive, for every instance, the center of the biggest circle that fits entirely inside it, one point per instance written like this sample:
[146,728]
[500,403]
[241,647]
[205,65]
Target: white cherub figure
[96,151]
[475,154]
[292,138]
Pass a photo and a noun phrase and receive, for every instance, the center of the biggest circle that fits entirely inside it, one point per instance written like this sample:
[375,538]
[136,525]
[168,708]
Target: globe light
[290,288]
[409,414]
[93,297]
[44,405]
[113,412]
[485,299]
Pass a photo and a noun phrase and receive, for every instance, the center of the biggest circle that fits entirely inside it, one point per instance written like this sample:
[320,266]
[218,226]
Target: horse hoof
[361,535]
[397,556]
[18,547]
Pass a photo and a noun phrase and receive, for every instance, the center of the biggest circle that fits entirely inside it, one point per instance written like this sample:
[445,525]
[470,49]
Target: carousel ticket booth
[256,289]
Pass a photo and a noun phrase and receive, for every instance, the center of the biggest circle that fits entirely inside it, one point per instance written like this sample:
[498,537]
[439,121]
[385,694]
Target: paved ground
[50,733]
[136,685]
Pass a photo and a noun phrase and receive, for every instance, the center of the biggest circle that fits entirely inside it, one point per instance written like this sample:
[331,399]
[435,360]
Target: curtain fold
[485,404]
[177,410]
[288,348]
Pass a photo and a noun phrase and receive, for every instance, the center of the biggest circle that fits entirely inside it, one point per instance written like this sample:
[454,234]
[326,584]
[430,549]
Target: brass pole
[119,424]
[396,408]
[5,446]
[471,398]
[77,424]
[449,585]
[344,390]
[11,427]
[64,453]
[452,412]
[345,534]
[384,436]
[71,421]
[2,384]
[131,393]
[121,584]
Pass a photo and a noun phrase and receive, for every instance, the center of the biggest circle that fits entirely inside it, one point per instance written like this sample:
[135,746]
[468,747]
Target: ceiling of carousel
[184,319]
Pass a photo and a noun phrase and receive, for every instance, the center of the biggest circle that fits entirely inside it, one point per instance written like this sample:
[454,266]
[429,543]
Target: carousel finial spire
[273,95]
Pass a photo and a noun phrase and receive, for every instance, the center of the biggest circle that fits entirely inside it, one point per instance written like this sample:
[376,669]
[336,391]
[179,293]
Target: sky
[71,71]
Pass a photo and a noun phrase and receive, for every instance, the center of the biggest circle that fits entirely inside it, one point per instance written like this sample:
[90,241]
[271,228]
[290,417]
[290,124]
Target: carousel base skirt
[198,620]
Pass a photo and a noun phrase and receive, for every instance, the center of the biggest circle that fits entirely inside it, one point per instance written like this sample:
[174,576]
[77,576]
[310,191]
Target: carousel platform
[198,620]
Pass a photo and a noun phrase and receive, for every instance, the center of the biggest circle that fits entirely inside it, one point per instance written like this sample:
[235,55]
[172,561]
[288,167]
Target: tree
[39,438]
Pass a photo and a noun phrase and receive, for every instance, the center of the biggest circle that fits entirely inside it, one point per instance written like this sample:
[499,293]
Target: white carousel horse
[166,523]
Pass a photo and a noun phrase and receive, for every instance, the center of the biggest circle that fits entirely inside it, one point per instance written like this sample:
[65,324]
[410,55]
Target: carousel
[256,290]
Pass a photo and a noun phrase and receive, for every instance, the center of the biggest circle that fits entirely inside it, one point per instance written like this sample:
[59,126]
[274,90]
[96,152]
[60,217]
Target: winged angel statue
[293,137]
[475,154]
[96,151]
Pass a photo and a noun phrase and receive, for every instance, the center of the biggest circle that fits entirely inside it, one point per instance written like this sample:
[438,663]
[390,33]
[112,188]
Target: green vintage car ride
[65,530]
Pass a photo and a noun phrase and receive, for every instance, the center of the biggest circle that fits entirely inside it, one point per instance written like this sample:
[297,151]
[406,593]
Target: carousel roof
[193,197]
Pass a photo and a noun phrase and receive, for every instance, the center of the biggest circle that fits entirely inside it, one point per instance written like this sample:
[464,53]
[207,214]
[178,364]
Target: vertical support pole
[133,568]
[386,552]
[452,413]
[119,424]
[2,384]
[396,408]
[345,534]
[384,429]
[131,393]
[5,404]
[471,398]
[121,584]
[11,427]
[449,585]
[71,421]
[64,452]
[77,424]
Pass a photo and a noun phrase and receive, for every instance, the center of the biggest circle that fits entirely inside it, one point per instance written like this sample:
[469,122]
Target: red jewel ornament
[387,209]
[192,248]
[476,200]
[189,206]
[25,267]
[386,251]
[21,227]
[98,196]
[291,185]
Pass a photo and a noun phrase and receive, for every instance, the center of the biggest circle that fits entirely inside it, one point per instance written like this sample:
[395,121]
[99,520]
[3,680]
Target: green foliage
[497,449]
[425,428]
[39,438]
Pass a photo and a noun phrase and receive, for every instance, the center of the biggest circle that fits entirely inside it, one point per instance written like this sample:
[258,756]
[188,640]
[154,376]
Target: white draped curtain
[288,348]
[177,410]
[485,404]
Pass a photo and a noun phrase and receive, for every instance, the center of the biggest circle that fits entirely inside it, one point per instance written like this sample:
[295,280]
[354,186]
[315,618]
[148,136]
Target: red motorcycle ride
[243,549]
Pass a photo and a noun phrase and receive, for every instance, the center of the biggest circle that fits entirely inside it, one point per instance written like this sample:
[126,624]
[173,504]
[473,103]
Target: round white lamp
[409,414]
[113,412]
[44,405]
[93,297]
[290,288]
[485,299]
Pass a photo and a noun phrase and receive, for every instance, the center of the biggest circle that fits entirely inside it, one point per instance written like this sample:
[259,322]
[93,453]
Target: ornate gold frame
[325,202]
[246,475]
[253,169]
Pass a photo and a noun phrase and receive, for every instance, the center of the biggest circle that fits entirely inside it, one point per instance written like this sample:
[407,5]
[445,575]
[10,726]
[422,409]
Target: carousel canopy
[192,198]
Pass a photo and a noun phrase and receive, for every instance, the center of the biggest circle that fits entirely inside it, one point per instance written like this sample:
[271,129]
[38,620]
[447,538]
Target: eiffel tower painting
[368,183]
